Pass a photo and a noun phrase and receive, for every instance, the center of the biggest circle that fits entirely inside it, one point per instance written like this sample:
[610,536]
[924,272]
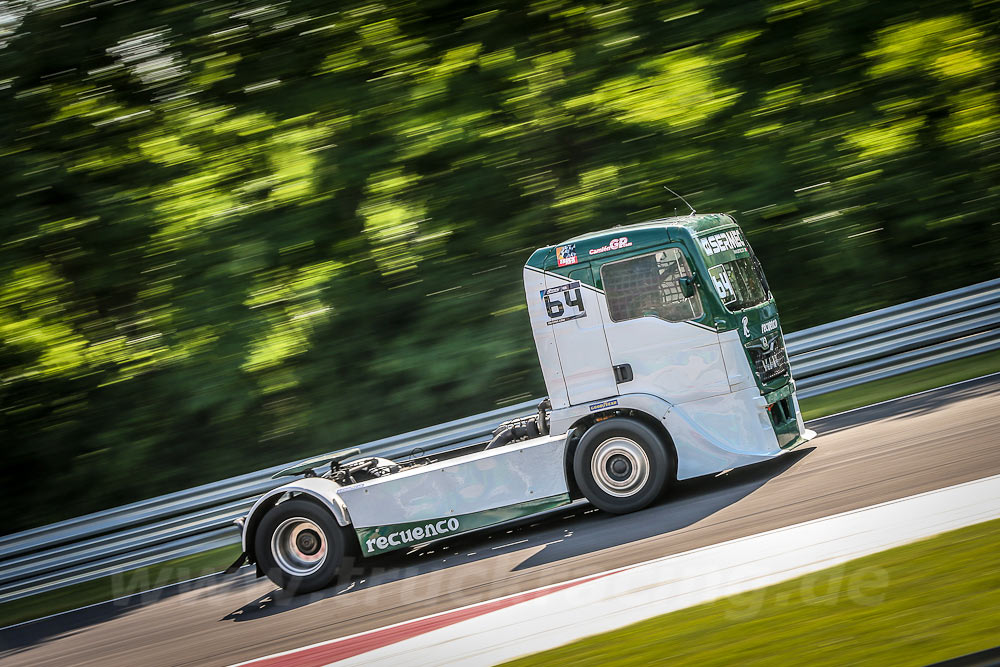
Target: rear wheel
[621,465]
[300,546]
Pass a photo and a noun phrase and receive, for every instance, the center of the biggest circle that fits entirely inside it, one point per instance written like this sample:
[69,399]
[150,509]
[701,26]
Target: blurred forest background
[238,233]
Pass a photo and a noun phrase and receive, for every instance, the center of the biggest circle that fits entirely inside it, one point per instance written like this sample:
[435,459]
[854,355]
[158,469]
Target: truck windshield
[740,283]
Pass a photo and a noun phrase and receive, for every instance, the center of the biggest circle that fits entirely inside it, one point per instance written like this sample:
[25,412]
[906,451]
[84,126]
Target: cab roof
[698,223]
[644,233]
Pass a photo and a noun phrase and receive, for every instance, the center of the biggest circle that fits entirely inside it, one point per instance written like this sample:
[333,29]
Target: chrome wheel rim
[298,546]
[620,467]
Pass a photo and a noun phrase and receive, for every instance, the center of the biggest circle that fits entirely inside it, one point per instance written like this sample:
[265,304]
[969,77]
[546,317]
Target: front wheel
[621,465]
[300,546]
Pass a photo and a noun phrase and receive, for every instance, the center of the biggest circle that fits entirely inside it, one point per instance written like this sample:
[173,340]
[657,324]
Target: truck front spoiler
[805,436]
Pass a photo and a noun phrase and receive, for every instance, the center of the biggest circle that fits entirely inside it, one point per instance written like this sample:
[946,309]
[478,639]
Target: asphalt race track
[860,458]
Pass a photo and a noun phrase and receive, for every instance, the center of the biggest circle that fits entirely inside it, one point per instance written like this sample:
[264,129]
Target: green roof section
[626,237]
[698,223]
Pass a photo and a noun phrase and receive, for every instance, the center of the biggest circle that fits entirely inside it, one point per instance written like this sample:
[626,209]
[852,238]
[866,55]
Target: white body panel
[738,371]
[721,432]
[583,347]
[545,342]
[677,361]
[476,482]
[571,343]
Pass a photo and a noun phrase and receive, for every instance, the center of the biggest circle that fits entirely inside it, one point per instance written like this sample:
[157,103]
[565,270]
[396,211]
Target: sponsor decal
[575,284]
[604,404]
[731,240]
[566,254]
[416,534]
[615,244]
[771,363]
[768,356]
[765,343]
[770,325]
[380,539]
[723,283]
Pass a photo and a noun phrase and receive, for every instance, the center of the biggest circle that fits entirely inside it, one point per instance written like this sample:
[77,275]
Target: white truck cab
[672,319]
[662,354]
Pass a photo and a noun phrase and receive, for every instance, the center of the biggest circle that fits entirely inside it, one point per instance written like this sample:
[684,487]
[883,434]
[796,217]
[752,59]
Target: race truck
[663,358]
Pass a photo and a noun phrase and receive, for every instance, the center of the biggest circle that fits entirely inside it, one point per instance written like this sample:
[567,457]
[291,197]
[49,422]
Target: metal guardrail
[896,340]
[832,356]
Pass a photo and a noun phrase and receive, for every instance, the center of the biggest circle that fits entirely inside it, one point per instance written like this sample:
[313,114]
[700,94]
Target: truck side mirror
[687,286]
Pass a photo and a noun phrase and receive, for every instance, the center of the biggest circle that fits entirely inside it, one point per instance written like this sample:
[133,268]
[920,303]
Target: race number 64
[563,303]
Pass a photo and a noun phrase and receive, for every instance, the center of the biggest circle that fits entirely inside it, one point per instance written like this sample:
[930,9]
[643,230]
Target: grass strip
[913,605]
[900,385]
[118,585]
[79,595]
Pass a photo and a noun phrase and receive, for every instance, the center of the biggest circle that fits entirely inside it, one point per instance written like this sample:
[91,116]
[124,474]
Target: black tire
[621,465]
[290,558]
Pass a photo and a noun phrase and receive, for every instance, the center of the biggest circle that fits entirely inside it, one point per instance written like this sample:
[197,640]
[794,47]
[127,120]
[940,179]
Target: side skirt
[376,540]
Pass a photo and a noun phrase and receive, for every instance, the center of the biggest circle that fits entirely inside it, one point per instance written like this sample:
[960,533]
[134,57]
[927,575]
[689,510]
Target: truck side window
[647,286]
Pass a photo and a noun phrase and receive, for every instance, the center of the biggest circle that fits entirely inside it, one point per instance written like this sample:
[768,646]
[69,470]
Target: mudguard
[323,490]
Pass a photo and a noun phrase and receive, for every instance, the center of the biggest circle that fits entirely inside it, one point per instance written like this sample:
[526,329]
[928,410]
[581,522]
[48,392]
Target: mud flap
[237,564]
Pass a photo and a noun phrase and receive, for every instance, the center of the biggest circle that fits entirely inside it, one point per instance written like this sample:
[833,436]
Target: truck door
[573,310]
[658,332]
